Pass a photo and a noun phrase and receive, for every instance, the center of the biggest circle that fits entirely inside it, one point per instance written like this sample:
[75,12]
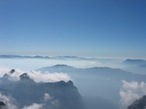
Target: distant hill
[58,95]
[137,66]
[135,61]
[60,66]
[57,68]
[93,71]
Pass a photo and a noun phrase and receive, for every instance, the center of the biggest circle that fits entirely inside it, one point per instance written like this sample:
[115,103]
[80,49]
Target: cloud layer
[48,77]
[130,91]
[37,76]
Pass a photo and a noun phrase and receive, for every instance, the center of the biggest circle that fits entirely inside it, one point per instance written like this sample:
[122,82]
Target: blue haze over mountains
[72,54]
[25,92]
[98,83]
[99,86]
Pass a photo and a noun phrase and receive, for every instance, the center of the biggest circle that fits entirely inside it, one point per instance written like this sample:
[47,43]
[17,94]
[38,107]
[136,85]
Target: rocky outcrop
[139,104]
[57,95]
[2,105]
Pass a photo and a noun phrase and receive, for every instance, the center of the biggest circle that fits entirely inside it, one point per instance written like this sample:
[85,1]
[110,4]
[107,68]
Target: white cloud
[4,70]
[48,77]
[33,106]
[8,100]
[50,102]
[37,76]
[130,91]
[14,76]
[55,104]
[47,97]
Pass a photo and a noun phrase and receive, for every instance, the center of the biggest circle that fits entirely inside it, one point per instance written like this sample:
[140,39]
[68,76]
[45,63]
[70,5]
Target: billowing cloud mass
[37,76]
[48,77]
[4,70]
[8,100]
[34,106]
[130,91]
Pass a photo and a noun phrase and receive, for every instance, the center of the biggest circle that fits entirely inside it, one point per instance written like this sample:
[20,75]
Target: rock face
[2,105]
[139,104]
[58,95]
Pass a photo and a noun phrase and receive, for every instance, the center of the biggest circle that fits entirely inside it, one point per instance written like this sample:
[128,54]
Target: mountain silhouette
[60,95]
[139,103]
[2,105]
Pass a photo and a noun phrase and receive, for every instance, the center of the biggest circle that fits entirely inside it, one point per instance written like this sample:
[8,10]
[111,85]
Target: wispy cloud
[130,91]
[33,106]
[33,64]
[49,102]
[47,97]
[4,70]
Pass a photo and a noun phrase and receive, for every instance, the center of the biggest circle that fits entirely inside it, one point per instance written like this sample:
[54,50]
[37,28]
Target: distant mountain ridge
[62,65]
[135,61]
[98,71]
[47,57]
[137,66]
[20,56]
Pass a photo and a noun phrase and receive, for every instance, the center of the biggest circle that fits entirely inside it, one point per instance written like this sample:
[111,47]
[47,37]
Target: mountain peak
[12,71]
[6,76]
[61,65]
[25,77]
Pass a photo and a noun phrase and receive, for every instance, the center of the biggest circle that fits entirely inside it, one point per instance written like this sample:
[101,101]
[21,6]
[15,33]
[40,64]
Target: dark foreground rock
[2,105]
[25,92]
[139,104]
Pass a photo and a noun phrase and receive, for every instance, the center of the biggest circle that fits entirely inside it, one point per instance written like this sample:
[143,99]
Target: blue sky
[96,28]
